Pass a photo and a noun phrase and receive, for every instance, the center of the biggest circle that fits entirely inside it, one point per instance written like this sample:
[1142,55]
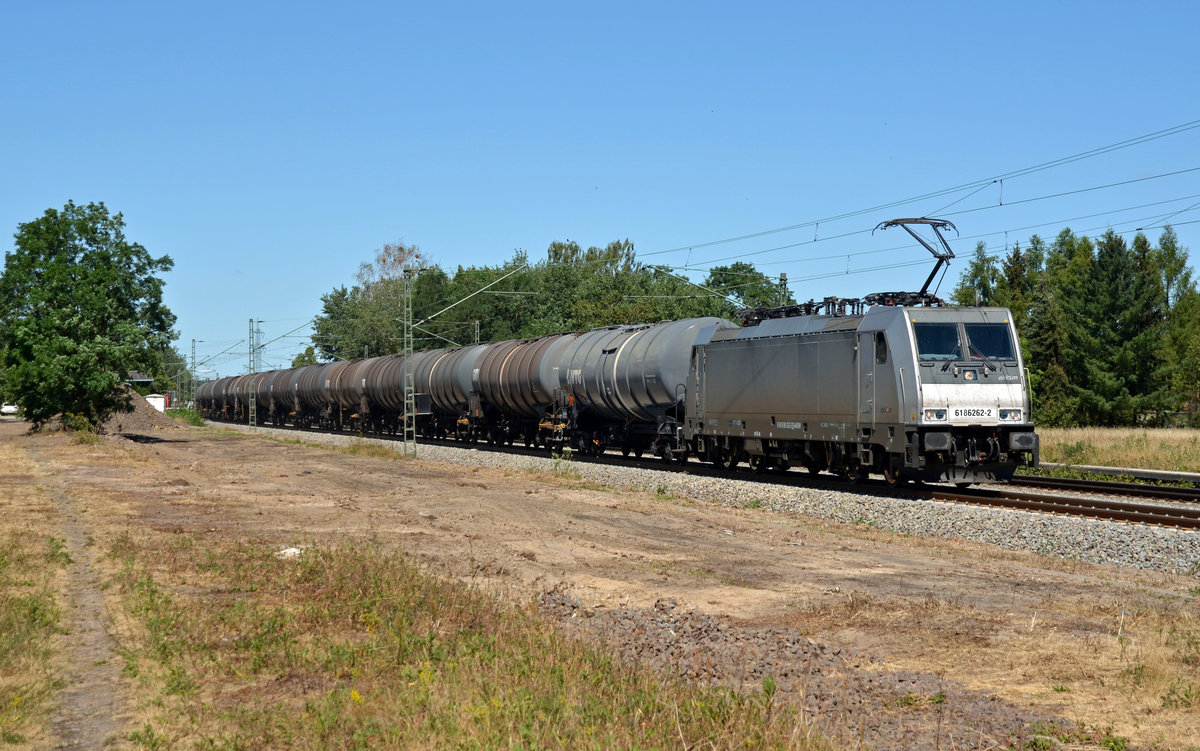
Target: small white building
[158,401]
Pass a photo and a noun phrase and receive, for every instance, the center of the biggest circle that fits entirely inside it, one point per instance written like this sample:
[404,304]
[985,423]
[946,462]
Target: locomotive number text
[972,413]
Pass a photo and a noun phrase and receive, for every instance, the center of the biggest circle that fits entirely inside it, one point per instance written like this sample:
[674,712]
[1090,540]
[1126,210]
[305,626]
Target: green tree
[1183,345]
[1123,322]
[1171,262]
[1180,347]
[365,320]
[80,307]
[307,357]
[746,284]
[572,289]
[978,282]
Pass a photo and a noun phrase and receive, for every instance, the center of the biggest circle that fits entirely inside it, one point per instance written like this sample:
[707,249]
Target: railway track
[1181,517]
[1110,487]
[996,496]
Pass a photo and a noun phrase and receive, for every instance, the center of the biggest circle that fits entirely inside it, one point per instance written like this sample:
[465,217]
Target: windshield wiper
[986,360]
[956,351]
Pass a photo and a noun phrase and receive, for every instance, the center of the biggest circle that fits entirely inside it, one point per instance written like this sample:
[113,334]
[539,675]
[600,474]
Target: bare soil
[890,641]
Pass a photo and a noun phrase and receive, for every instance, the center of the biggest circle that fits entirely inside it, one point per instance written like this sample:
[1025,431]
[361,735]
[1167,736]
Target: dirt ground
[942,643]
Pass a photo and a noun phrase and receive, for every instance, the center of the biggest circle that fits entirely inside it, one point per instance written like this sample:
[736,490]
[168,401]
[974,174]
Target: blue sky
[269,148]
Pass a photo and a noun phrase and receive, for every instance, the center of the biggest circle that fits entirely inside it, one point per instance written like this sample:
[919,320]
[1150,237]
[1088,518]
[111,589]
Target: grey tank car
[925,392]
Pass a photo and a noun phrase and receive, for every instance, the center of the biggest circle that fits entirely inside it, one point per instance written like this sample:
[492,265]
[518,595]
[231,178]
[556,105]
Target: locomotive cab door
[866,382]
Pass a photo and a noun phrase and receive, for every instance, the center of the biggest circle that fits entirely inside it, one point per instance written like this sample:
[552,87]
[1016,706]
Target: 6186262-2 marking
[972,412]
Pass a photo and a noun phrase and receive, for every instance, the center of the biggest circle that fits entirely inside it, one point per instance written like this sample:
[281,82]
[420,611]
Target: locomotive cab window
[880,348]
[990,341]
[937,341]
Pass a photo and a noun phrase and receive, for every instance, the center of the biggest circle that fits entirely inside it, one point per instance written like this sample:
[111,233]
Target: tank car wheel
[637,453]
[758,463]
[625,451]
[963,485]
[729,461]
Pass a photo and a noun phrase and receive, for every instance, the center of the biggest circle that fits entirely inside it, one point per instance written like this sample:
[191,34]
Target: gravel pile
[143,419]
[853,702]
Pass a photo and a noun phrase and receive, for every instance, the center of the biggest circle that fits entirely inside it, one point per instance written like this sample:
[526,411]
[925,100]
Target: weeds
[354,647]
[186,416]
[29,618]
[563,466]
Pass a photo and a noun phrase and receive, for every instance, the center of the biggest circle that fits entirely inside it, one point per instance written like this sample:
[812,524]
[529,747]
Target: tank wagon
[924,392]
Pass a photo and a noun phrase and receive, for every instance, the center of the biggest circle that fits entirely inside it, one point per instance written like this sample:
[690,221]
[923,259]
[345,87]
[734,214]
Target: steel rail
[1163,492]
[1181,517]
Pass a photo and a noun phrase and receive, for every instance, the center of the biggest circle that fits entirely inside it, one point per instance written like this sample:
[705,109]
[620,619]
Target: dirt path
[994,626]
[95,706]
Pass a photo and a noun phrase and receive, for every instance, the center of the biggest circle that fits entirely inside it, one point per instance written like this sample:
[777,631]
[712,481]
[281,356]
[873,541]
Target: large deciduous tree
[80,307]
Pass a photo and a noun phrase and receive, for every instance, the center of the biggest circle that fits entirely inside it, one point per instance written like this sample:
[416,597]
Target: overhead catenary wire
[974,184]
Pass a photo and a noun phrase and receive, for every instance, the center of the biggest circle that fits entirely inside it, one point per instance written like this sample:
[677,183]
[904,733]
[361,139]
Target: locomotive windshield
[990,340]
[937,341]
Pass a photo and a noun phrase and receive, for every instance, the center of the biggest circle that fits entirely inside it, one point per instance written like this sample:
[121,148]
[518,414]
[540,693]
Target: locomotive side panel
[787,387]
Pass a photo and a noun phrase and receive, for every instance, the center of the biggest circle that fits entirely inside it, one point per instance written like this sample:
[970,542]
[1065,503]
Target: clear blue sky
[269,148]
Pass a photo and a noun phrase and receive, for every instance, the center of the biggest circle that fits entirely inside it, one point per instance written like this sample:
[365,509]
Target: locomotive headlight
[1010,415]
[935,415]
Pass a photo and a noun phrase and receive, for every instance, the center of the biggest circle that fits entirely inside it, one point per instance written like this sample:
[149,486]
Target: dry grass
[1170,449]
[1127,668]
[354,647]
[31,596]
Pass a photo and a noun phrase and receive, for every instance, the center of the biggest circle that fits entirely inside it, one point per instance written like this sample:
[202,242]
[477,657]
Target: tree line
[572,289]
[1110,329]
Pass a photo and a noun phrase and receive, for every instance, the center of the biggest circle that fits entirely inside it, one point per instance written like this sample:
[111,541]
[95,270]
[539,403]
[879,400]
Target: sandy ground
[1010,626]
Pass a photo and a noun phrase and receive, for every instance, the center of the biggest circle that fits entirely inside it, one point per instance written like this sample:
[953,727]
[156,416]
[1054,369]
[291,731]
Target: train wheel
[758,463]
[729,461]
[892,476]
[625,451]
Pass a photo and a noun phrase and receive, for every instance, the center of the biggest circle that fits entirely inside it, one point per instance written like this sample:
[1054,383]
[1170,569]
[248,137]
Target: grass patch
[360,447]
[564,464]
[186,416]
[1168,449]
[29,619]
[355,647]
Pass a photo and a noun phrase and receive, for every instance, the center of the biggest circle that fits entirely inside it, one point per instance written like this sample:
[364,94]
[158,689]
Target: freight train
[898,385]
